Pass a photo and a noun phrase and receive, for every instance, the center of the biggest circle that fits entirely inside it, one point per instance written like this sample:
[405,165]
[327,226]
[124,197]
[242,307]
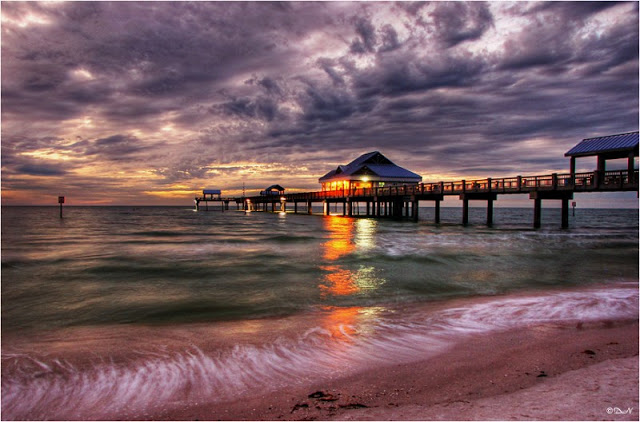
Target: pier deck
[403,201]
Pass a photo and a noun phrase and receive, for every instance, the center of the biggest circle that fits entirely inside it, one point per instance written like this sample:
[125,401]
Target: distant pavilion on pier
[371,170]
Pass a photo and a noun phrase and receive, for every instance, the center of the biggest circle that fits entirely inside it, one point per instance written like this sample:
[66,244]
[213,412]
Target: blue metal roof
[372,163]
[611,143]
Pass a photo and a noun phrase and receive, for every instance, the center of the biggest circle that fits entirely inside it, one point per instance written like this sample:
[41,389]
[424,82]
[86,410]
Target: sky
[145,103]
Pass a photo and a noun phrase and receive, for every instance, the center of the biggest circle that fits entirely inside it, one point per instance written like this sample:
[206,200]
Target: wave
[59,388]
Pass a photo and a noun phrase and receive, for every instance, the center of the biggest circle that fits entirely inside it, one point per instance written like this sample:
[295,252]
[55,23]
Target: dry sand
[548,372]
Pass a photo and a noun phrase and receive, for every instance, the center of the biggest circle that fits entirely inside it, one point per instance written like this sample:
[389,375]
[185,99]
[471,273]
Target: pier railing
[579,182]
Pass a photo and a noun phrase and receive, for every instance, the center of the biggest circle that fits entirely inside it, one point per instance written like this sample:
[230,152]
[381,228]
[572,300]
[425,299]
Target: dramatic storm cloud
[142,103]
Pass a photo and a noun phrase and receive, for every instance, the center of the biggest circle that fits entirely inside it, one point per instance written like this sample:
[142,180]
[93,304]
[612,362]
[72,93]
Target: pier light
[282,199]
[365,179]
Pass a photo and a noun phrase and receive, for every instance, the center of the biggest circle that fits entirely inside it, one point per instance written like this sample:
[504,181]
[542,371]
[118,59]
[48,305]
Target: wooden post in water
[60,201]
[537,213]
[437,211]
[490,213]
[565,213]
[465,211]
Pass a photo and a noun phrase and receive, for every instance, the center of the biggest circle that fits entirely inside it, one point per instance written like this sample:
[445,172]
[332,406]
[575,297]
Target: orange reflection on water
[341,238]
[339,281]
[341,322]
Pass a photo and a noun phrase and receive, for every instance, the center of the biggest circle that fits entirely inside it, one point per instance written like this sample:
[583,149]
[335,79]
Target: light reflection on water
[346,237]
[102,299]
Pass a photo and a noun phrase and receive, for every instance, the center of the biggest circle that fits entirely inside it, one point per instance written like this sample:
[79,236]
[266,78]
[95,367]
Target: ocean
[105,305]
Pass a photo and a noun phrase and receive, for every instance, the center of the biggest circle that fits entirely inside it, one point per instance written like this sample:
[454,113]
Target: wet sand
[545,372]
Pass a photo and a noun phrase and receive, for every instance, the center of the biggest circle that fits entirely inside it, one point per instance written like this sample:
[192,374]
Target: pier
[403,201]
[384,189]
[214,196]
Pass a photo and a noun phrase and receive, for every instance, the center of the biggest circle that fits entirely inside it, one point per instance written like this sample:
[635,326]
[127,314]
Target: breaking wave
[60,388]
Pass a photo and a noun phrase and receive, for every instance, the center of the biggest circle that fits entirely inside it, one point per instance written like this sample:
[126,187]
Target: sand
[544,372]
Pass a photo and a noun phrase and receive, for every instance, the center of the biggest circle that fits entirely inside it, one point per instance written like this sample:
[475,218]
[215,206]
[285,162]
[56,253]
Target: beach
[167,314]
[548,372]
[430,363]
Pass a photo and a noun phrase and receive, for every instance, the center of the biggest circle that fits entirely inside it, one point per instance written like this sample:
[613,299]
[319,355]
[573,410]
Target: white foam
[61,390]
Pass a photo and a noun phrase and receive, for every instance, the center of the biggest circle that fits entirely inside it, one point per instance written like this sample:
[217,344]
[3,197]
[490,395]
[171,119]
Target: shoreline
[454,360]
[499,375]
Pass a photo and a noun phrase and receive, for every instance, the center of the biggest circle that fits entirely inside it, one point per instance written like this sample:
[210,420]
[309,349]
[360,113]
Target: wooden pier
[387,190]
[403,201]
[214,196]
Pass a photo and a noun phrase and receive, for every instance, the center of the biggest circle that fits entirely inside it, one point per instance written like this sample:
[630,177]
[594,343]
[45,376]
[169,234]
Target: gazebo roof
[275,187]
[624,142]
[374,164]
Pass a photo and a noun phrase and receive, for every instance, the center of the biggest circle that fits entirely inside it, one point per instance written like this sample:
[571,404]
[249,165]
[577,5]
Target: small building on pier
[370,170]
[624,145]
[273,190]
[211,194]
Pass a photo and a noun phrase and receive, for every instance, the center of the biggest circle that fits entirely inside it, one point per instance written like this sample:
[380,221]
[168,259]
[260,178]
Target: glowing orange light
[340,322]
[341,235]
[339,281]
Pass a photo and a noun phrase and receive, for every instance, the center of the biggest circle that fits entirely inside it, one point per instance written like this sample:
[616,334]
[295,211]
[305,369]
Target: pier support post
[565,213]
[437,211]
[326,205]
[309,209]
[480,196]
[490,213]
[465,211]
[414,210]
[396,208]
[349,206]
[538,196]
[537,213]
[368,208]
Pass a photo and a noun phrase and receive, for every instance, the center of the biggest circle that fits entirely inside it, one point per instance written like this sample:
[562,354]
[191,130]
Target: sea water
[105,305]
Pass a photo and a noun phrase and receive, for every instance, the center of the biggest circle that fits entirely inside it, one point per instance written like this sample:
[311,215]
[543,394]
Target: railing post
[489,184]
[554,181]
[622,178]
[519,183]
[464,186]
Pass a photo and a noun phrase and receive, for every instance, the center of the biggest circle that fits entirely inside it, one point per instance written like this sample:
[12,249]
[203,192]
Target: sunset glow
[108,95]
